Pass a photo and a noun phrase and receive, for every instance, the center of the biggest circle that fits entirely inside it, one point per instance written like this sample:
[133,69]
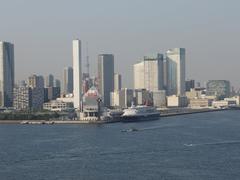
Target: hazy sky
[42,31]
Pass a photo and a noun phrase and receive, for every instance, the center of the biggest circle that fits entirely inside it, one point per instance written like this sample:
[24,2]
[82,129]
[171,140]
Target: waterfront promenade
[164,113]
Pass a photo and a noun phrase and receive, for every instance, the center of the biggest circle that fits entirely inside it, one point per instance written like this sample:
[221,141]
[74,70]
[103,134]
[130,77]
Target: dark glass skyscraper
[6,74]
[68,80]
[105,76]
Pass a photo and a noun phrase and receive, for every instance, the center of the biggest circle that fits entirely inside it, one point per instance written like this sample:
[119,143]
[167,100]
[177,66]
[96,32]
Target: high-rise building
[6,74]
[51,93]
[117,81]
[165,74]
[57,83]
[36,83]
[106,76]
[198,84]
[176,71]
[219,88]
[149,73]
[49,81]
[122,98]
[22,98]
[138,75]
[68,80]
[189,84]
[77,73]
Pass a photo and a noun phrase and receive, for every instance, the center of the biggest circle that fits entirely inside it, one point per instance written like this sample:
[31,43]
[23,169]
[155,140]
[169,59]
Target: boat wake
[213,143]
[148,128]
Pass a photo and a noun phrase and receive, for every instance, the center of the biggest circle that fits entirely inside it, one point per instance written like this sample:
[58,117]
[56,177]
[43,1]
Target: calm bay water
[198,146]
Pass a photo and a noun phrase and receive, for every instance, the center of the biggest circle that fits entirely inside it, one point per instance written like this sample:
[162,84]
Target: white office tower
[6,74]
[138,75]
[176,71]
[149,73]
[77,73]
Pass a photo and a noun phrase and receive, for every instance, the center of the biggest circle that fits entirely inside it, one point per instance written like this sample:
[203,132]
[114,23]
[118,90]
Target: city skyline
[209,35]
[119,89]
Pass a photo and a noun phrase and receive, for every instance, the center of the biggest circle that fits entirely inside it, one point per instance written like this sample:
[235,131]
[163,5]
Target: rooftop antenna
[87,62]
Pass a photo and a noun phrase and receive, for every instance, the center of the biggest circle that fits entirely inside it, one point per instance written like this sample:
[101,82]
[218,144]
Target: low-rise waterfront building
[177,101]
[235,98]
[195,93]
[223,103]
[56,105]
[200,103]
[159,98]
[66,98]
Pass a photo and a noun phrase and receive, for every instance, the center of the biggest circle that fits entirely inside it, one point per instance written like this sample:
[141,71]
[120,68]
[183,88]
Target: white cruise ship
[140,113]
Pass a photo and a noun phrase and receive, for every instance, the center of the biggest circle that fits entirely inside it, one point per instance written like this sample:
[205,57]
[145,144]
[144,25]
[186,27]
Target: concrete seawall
[179,112]
[164,113]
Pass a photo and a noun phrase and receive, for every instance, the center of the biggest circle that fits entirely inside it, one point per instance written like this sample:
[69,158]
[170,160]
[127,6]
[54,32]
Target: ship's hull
[140,118]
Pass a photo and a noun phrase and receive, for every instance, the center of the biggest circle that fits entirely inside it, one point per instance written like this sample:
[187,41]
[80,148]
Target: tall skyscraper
[165,74]
[77,73]
[148,74]
[36,83]
[49,81]
[138,75]
[6,74]
[106,76]
[68,80]
[57,83]
[176,71]
[117,81]
[189,84]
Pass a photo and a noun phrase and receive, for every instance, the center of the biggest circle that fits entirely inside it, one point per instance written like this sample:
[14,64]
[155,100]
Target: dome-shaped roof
[92,92]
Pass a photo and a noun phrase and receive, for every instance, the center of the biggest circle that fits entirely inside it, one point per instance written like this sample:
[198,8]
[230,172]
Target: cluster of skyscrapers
[155,78]
[162,73]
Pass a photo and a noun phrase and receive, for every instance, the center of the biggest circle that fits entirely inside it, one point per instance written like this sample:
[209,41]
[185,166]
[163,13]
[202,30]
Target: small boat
[130,130]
